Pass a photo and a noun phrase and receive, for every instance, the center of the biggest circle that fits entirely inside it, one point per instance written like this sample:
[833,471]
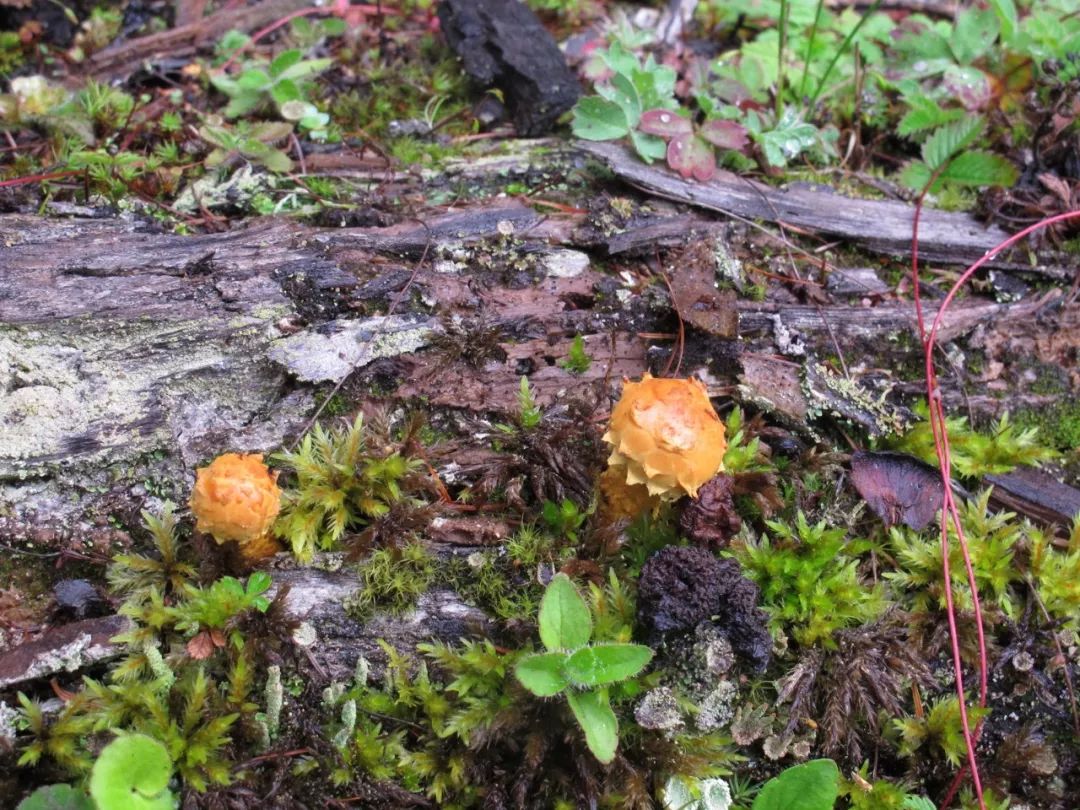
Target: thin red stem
[950,512]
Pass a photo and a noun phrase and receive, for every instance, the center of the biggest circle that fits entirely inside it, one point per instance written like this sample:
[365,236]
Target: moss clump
[1058,424]
[392,579]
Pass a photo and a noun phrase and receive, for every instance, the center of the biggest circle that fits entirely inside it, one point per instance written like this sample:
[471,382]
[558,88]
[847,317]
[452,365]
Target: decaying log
[127,356]
[883,226]
[317,598]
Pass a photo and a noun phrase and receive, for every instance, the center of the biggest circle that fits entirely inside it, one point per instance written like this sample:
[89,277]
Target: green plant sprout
[809,580]
[974,454]
[577,359]
[578,669]
[340,485]
[282,82]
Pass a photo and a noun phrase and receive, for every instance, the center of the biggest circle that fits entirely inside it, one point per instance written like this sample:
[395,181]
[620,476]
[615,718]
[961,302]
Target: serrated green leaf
[924,114]
[542,674]
[565,621]
[597,720]
[978,168]
[950,139]
[606,663]
[597,119]
[915,175]
[813,785]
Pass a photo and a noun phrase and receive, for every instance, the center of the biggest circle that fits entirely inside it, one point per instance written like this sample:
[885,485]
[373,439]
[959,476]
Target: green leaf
[915,175]
[598,721]
[626,96]
[542,673]
[813,785]
[597,119]
[917,803]
[648,147]
[285,91]
[978,168]
[974,35]
[132,773]
[253,79]
[607,663]
[1007,17]
[950,139]
[302,70]
[565,621]
[924,114]
[56,797]
[285,60]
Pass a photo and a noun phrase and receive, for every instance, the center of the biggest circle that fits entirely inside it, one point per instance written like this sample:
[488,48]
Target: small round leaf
[133,773]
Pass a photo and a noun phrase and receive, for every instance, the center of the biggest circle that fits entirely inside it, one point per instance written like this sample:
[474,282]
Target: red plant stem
[949,508]
[949,512]
[37,178]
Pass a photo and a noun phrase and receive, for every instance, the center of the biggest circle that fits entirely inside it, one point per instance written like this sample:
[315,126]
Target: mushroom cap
[667,435]
[236,497]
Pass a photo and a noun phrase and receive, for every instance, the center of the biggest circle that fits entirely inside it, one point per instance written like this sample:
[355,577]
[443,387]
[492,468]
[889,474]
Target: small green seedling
[281,82]
[813,785]
[580,670]
[577,359]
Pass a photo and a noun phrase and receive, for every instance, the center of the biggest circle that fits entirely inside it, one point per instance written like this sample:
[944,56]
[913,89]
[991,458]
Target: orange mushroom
[236,498]
[666,435]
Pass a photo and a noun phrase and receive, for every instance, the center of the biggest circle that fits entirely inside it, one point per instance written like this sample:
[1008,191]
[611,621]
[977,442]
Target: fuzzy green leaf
[132,773]
[607,663]
[542,674]
[565,621]
[813,785]
[598,721]
[597,119]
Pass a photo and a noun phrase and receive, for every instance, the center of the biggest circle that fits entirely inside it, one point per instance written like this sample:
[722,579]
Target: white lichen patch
[88,392]
[331,352]
[565,263]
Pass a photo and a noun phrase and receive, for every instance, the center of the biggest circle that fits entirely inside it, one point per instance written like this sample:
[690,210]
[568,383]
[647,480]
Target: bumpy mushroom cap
[237,498]
[667,436]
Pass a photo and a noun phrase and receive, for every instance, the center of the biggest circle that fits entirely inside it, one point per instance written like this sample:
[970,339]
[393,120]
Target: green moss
[392,579]
[1058,424]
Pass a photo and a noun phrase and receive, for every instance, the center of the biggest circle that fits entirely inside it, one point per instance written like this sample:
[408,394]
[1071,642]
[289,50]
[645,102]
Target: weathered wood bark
[128,356]
[883,226]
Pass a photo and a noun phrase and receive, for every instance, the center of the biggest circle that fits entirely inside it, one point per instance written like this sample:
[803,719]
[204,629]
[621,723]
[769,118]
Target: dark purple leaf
[665,123]
[691,157]
[898,487]
[725,134]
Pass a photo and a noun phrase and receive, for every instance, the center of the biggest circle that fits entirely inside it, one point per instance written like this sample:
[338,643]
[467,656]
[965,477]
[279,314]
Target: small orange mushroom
[666,435]
[236,498]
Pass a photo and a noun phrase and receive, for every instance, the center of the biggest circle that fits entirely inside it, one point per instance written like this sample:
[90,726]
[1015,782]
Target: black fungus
[680,587]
